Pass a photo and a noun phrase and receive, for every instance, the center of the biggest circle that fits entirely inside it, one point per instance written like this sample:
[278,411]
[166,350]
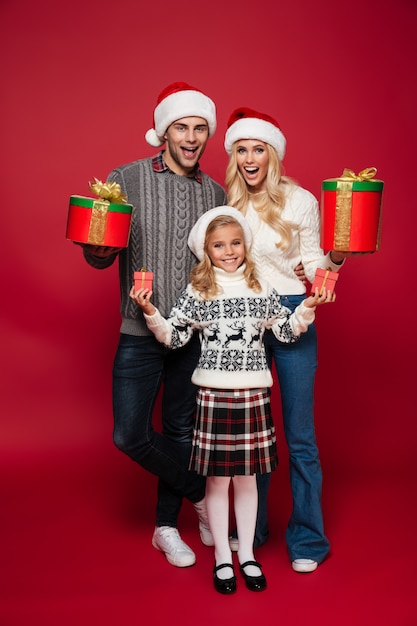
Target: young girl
[234,436]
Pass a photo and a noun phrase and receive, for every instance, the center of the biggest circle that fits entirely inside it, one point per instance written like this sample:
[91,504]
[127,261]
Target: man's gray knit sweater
[165,207]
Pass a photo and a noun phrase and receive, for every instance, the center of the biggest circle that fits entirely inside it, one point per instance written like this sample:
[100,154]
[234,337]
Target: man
[169,193]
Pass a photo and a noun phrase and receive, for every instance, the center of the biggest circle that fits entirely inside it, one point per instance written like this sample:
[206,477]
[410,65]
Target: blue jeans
[141,366]
[296,366]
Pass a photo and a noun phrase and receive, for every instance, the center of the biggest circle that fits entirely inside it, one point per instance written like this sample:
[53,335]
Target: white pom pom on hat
[197,235]
[176,101]
[245,123]
[152,138]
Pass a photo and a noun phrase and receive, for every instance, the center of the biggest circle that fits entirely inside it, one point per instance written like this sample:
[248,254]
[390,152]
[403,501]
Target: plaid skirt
[234,433]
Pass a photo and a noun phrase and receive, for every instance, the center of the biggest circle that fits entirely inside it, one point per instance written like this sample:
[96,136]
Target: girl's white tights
[245,507]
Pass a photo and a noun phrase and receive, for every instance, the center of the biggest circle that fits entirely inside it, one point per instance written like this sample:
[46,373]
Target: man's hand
[299,270]
[101,252]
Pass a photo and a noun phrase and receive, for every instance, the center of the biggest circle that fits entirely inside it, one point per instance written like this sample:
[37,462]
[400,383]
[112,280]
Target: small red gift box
[143,279]
[351,212]
[324,279]
[100,222]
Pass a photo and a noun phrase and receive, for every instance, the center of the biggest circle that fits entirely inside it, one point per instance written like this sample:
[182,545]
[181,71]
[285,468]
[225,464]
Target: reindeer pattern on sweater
[231,328]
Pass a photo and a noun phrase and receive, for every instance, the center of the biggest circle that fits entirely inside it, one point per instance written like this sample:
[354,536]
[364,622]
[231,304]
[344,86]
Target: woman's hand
[316,299]
[142,299]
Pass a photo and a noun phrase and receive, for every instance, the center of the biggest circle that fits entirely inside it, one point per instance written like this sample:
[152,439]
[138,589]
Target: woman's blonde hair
[269,203]
[202,276]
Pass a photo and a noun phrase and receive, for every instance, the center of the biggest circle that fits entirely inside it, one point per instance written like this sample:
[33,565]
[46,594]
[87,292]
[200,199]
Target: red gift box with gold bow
[351,212]
[143,279]
[101,222]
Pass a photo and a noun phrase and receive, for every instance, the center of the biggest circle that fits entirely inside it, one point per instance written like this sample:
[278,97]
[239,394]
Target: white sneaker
[233,543]
[167,540]
[203,523]
[304,566]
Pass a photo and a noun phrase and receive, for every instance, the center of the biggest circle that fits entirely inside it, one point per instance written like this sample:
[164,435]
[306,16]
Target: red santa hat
[197,235]
[245,123]
[176,101]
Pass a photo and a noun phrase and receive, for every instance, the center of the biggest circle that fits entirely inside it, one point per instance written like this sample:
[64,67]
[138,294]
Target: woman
[285,222]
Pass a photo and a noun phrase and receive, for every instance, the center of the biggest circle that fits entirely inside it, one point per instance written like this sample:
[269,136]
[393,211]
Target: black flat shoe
[254,583]
[226,586]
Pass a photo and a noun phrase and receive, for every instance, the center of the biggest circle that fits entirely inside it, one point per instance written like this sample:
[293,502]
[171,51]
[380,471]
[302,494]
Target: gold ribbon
[324,282]
[143,270]
[98,223]
[108,191]
[344,204]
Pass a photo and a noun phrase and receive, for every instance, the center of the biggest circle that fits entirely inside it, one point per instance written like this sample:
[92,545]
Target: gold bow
[108,191]
[366,174]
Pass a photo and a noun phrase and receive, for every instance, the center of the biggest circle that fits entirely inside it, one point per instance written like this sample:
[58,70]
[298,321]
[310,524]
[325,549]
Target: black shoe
[226,586]
[254,583]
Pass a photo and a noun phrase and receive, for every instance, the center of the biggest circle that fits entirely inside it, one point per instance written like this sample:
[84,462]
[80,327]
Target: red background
[79,84]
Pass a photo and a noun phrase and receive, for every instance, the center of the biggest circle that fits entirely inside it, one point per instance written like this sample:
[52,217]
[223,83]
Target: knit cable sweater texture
[165,207]
[231,330]
[277,266]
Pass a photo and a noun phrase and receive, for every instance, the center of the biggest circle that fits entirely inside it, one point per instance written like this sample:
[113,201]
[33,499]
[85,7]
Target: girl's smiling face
[226,247]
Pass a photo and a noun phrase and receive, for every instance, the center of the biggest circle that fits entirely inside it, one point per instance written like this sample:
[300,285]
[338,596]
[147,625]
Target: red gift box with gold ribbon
[324,279]
[143,279]
[351,212]
[101,222]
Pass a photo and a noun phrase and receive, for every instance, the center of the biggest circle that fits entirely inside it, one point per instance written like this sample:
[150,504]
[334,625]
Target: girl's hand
[326,296]
[142,299]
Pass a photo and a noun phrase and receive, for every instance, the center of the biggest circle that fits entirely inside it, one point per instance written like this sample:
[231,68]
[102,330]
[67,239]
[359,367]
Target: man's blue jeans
[296,366]
[141,366]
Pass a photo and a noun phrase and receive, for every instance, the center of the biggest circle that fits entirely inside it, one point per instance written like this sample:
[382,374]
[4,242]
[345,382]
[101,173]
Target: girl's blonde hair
[202,276]
[269,203]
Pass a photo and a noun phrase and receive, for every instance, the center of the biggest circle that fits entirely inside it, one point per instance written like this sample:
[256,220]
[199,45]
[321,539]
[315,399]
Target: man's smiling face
[186,140]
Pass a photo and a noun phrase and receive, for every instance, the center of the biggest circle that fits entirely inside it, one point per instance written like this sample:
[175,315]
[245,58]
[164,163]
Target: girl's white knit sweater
[231,329]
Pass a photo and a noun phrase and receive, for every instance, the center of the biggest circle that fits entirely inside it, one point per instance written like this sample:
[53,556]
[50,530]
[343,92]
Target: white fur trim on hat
[187,103]
[255,128]
[197,234]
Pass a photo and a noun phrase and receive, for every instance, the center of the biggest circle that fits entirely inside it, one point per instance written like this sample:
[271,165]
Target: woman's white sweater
[277,266]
